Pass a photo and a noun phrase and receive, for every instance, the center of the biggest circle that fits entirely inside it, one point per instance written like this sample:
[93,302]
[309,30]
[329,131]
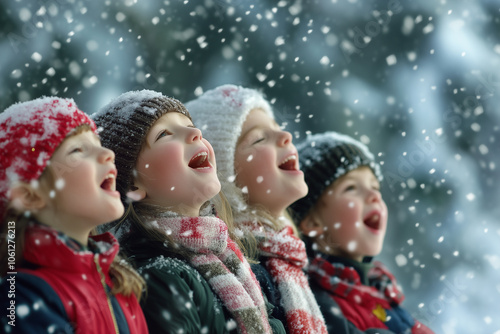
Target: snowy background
[417,81]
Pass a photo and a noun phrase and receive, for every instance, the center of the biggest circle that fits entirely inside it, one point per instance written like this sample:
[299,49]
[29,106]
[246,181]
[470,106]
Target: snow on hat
[30,132]
[220,114]
[123,125]
[324,158]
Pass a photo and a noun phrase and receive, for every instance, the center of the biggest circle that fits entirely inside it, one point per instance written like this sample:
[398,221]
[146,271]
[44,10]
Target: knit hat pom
[220,114]
[123,125]
[324,158]
[30,132]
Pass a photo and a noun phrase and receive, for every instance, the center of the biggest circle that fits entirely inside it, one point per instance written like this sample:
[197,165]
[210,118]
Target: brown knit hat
[123,125]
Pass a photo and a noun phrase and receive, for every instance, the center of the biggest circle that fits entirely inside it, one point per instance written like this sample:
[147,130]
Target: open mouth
[200,161]
[372,220]
[290,163]
[109,182]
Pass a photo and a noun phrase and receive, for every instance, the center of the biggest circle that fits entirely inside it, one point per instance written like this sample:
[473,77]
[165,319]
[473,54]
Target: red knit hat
[30,132]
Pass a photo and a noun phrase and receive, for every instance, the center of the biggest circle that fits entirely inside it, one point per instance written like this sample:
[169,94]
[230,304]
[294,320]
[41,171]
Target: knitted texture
[124,124]
[366,306]
[348,283]
[221,263]
[30,132]
[285,258]
[220,114]
[324,158]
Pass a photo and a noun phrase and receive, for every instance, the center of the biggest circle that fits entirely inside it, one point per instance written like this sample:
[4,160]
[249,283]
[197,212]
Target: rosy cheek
[144,168]
[161,168]
[151,167]
[337,225]
[349,215]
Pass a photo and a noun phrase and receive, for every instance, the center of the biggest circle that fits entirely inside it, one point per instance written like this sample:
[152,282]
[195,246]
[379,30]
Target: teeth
[292,157]
[201,154]
[109,185]
[373,220]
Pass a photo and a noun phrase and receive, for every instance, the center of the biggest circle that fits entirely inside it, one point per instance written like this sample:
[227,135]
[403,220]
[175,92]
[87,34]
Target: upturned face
[351,216]
[266,164]
[176,167]
[80,193]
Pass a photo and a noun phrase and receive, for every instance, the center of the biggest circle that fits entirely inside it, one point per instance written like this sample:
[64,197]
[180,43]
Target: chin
[374,253]
[212,189]
[304,192]
[299,192]
[116,212]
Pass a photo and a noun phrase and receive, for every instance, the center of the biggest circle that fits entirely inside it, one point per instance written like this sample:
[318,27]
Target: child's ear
[24,197]
[136,193]
[311,226]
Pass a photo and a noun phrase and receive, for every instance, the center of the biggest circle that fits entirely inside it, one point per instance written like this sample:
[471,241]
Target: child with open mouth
[259,173]
[344,219]
[197,278]
[57,184]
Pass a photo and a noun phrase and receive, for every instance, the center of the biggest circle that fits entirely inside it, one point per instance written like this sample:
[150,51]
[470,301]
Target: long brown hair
[125,280]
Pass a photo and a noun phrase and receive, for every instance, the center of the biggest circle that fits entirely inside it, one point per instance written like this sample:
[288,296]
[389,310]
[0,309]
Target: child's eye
[76,150]
[163,134]
[350,187]
[258,141]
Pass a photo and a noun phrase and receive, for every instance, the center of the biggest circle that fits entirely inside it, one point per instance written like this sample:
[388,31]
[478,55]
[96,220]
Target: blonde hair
[125,280]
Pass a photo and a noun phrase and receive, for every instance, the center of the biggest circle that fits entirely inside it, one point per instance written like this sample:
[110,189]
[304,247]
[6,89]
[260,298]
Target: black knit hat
[324,158]
[123,125]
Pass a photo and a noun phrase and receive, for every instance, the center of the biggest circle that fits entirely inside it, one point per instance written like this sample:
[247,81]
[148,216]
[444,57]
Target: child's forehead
[81,133]
[255,122]
[80,130]
[167,119]
[259,115]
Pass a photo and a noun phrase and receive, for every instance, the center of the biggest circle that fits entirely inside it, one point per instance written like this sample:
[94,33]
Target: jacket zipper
[103,282]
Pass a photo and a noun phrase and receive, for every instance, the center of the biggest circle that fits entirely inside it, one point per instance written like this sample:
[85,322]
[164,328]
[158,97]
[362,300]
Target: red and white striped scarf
[345,282]
[286,257]
[219,260]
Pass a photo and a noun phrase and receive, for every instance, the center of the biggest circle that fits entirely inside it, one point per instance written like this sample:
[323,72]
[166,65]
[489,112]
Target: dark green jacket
[178,298]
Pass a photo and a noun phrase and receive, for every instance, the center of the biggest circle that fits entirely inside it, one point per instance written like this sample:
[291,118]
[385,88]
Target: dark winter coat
[178,297]
[347,311]
[270,291]
[62,288]
[336,324]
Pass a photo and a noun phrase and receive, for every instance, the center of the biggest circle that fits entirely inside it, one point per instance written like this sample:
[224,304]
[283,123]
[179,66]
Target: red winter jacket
[80,280]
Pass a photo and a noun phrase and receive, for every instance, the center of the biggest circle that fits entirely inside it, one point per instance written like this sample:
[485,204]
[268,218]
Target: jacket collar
[361,268]
[46,247]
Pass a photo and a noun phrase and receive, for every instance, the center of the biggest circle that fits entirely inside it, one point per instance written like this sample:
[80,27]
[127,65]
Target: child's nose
[284,138]
[373,196]
[106,155]
[193,135]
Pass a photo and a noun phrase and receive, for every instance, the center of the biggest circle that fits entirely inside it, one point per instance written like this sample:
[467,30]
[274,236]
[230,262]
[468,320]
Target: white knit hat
[220,114]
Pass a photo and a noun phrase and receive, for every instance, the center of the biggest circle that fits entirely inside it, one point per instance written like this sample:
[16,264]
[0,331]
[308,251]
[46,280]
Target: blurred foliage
[418,81]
